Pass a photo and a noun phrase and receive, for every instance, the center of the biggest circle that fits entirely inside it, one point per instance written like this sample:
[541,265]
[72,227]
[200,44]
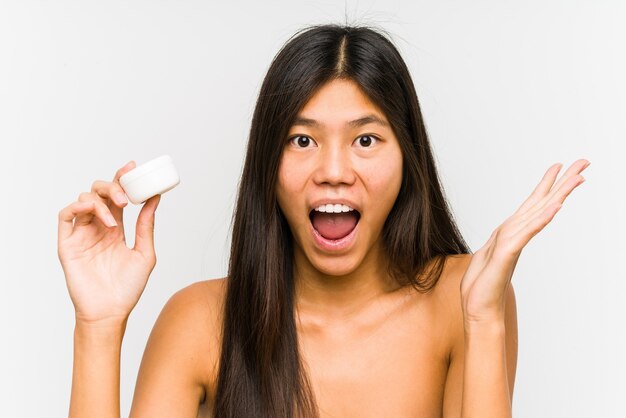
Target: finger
[565,191]
[542,188]
[100,211]
[101,195]
[112,193]
[144,231]
[116,179]
[113,196]
[573,171]
[535,225]
[77,209]
[125,169]
[90,197]
[514,241]
[556,196]
[67,215]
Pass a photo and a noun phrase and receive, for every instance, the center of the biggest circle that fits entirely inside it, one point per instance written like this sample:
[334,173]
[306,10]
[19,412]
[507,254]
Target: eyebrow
[363,120]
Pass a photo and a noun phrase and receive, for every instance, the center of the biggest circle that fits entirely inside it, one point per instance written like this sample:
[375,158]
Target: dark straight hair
[260,370]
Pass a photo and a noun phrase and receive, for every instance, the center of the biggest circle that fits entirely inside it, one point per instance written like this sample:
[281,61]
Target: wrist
[484,328]
[106,330]
[110,321]
[484,325]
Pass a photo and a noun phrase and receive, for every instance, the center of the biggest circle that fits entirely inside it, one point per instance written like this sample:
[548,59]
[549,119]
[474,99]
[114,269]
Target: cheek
[293,172]
[384,177]
[287,178]
[290,185]
[282,192]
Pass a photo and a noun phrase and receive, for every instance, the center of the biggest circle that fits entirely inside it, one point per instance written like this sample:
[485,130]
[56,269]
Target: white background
[506,88]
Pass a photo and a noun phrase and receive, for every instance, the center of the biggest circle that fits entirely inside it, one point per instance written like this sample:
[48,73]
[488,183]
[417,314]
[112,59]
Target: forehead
[340,101]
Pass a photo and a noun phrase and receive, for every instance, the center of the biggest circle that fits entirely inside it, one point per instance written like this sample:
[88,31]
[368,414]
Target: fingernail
[110,220]
[120,198]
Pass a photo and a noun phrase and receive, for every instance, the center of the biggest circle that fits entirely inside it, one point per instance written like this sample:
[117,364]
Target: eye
[301,141]
[366,141]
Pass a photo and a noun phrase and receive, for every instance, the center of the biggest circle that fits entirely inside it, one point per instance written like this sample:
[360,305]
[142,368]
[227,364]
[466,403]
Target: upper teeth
[337,208]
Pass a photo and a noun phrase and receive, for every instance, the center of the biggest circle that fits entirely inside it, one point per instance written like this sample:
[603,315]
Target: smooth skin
[371,348]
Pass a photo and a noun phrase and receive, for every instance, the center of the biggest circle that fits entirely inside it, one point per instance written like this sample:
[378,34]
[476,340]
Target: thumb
[144,231]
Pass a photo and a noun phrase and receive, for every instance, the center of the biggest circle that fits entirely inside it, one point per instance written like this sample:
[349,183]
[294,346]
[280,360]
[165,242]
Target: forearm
[485,382]
[96,373]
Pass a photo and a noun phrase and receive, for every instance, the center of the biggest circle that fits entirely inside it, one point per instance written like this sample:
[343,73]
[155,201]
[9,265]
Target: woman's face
[341,150]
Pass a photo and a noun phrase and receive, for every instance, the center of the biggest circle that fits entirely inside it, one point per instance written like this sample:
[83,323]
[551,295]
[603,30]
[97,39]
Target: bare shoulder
[448,288]
[181,356]
[202,305]
[199,298]
[448,296]
[456,265]
[197,310]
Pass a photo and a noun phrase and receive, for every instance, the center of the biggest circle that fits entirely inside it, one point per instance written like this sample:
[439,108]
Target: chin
[335,265]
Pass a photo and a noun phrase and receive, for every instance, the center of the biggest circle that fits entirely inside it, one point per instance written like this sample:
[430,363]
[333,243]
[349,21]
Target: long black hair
[260,370]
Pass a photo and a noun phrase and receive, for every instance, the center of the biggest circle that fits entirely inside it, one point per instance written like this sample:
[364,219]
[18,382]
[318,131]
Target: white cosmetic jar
[154,177]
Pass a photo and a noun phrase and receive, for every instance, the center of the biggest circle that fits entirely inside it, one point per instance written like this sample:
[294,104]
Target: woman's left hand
[487,278]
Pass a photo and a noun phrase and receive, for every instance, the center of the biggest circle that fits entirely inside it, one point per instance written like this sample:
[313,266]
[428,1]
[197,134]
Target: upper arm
[453,391]
[173,371]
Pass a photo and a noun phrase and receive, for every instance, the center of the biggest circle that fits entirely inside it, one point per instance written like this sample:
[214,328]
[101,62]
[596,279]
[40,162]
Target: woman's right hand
[104,277]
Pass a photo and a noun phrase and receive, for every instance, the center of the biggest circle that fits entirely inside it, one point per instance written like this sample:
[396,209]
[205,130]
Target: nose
[334,165]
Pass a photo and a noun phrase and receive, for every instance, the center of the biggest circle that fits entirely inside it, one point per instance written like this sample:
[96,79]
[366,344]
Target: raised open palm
[484,284]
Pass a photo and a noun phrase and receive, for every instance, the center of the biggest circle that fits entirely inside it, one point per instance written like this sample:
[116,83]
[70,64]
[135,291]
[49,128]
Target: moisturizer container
[154,177]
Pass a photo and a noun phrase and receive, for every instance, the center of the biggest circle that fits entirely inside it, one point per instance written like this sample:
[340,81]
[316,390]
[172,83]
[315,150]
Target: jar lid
[145,168]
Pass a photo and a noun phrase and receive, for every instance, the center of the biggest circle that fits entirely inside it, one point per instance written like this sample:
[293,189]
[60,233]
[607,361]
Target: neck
[336,296]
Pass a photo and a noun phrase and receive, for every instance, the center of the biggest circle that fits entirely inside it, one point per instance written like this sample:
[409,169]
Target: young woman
[350,291]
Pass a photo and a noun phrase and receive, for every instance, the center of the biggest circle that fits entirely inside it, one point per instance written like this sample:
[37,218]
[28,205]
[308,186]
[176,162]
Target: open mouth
[334,225]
